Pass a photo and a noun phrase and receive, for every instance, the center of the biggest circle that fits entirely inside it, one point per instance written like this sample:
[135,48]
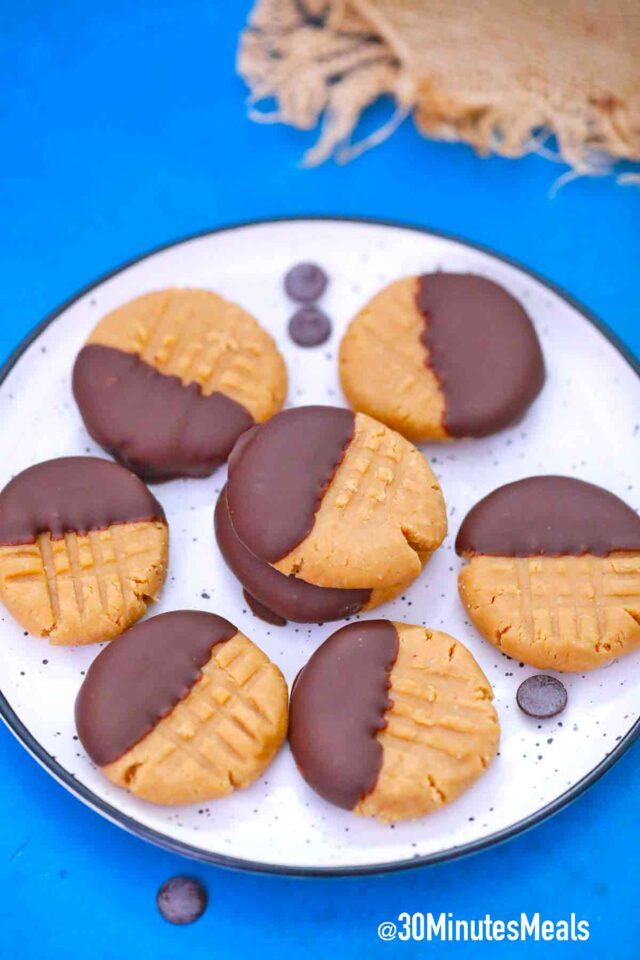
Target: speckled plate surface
[584,424]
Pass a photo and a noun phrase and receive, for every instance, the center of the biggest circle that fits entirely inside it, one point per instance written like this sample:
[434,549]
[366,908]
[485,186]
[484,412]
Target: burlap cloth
[500,75]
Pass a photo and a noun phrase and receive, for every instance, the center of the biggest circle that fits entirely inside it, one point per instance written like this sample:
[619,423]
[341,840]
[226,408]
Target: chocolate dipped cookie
[392,720]
[442,356]
[182,708]
[325,499]
[272,595]
[168,382]
[553,572]
[83,549]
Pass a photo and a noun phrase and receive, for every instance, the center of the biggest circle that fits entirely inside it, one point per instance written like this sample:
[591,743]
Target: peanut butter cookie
[335,499]
[83,549]
[553,577]
[205,363]
[182,708]
[278,598]
[392,720]
[441,356]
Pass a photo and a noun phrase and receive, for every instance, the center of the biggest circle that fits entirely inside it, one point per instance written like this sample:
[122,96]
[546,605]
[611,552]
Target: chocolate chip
[542,696]
[309,327]
[305,282]
[181,900]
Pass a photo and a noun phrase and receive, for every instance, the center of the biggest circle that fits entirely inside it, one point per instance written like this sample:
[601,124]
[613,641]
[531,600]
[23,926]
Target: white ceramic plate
[583,424]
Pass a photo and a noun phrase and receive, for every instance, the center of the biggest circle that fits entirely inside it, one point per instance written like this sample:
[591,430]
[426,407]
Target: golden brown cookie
[392,720]
[336,500]
[277,598]
[440,356]
[205,362]
[553,577]
[83,549]
[182,708]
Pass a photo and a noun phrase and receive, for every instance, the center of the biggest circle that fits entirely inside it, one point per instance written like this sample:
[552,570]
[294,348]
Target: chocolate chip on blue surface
[181,900]
[305,282]
[309,327]
[542,696]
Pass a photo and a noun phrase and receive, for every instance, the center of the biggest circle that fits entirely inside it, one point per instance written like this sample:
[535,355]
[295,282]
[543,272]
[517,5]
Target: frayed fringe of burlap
[327,60]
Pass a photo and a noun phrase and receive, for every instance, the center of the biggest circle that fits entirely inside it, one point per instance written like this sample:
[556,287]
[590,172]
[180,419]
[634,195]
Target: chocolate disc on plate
[309,327]
[542,696]
[305,282]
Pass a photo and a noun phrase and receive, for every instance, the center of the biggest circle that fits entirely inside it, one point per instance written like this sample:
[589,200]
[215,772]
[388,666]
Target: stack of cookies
[327,513]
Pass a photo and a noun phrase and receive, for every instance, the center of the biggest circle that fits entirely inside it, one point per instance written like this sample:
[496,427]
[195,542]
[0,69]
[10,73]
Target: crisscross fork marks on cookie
[201,338]
[383,364]
[568,613]
[197,720]
[182,344]
[75,571]
[219,737]
[95,545]
[379,520]
[441,728]
[599,599]
[395,345]
[373,471]
[84,588]
[441,713]
[49,569]
[381,470]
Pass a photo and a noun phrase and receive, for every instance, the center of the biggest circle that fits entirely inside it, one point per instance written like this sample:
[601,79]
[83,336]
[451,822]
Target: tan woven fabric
[497,74]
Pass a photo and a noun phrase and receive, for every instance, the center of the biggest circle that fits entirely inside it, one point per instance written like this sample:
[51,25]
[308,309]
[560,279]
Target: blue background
[123,127]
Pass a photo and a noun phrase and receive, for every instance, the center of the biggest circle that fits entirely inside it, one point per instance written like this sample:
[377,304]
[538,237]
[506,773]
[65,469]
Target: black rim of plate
[133,826]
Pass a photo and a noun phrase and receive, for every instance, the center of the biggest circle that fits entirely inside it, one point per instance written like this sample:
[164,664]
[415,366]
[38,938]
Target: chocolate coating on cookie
[72,494]
[152,422]
[338,705]
[483,349]
[138,679]
[263,613]
[549,515]
[277,478]
[270,592]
